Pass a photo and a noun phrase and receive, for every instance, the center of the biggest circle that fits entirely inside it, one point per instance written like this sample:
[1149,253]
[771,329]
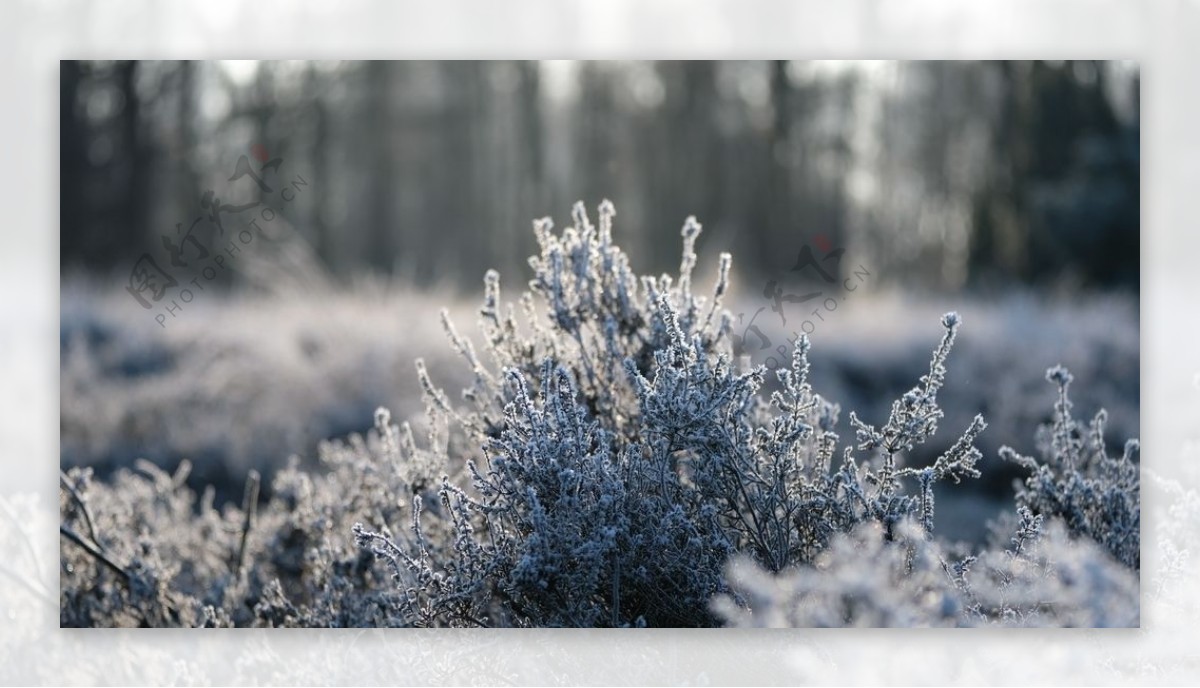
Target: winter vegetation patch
[610,462]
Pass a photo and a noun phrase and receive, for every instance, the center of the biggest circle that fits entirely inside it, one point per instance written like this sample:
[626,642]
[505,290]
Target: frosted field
[235,384]
[610,464]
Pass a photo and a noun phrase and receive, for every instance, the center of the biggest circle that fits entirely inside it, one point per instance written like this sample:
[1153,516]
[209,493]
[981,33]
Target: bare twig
[250,508]
[96,553]
[87,513]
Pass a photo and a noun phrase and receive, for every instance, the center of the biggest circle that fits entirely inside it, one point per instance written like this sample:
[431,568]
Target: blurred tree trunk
[998,216]
[130,226]
[377,130]
[781,228]
[76,234]
[189,184]
[325,246]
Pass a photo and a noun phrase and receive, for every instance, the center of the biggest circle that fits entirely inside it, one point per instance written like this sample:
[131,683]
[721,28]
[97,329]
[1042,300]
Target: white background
[1163,35]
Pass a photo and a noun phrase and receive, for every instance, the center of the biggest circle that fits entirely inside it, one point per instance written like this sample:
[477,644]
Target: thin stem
[250,508]
[87,514]
[97,554]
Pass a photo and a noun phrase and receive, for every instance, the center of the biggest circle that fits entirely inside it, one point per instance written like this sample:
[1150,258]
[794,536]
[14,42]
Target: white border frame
[1163,35]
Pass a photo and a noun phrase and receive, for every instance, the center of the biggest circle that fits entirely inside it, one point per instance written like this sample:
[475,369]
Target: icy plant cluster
[1073,557]
[612,464]
[1096,494]
[866,579]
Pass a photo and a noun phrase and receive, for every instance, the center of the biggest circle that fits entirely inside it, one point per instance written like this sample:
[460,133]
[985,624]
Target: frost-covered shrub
[610,464]
[624,456]
[867,579]
[144,550]
[1097,495]
[864,578]
[1072,560]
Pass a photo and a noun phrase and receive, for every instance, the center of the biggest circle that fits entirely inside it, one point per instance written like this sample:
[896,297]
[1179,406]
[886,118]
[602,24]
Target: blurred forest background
[938,174]
[1006,190]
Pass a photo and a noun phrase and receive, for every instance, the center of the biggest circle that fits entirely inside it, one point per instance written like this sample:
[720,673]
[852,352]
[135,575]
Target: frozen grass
[236,384]
[608,463]
[243,383]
